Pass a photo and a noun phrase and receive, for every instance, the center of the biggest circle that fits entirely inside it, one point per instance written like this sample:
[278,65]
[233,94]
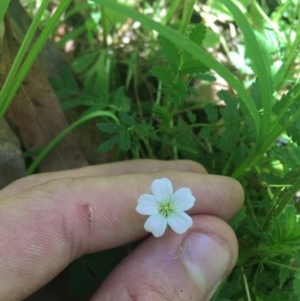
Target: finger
[175,267]
[45,228]
[110,169]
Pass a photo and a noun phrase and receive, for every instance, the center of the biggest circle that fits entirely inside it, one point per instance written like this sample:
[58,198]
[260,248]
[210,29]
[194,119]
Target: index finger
[109,169]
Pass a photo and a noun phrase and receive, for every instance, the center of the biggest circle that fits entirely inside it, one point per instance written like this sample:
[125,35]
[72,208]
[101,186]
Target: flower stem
[53,143]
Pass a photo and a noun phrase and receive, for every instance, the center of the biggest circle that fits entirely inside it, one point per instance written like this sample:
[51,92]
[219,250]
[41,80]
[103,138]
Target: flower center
[166,208]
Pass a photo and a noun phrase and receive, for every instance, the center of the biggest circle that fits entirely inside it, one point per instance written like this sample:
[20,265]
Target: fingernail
[207,261]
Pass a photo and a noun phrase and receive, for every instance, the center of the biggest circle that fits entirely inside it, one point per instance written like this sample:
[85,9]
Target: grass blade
[260,65]
[3,7]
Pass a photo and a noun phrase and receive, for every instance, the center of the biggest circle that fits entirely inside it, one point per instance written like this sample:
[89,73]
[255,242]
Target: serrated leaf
[294,131]
[162,113]
[143,129]
[211,112]
[284,275]
[230,111]
[191,117]
[126,119]
[285,228]
[176,92]
[65,85]
[193,67]
[229,139]
[120,100]
[296,285]
[170,51]
[291,224]
[163,74]
[197,34]
[125,140]
[109,144]
[286,108]
[289,156]
[108,127]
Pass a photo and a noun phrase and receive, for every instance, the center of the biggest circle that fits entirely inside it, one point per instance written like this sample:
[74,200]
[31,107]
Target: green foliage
[155,93]
[288,109]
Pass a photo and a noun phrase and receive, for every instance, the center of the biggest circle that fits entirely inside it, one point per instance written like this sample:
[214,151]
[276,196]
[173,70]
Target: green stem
[187,14]
[271,212]
[288,196]
[171,11]
[53,143]
[159,93]
[284,266]
[267,19]
[246,285]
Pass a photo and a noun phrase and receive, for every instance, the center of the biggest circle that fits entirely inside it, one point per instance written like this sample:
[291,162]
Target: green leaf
[296,285]
[197,34]
[192,67]
[211,112]
[230,111]
[126,119]
[85,62]
[163,74]
[174,88]
[120,100]
[65,85]
[109,144]
[294,131]
[176,92]
[144,130]
[289,156]
[170,51]
[162,113]
[191,117]
[288,113]
[108,127]
[97,77]
[125,140]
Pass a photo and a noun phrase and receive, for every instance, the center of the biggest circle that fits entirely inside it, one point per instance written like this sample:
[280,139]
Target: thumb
[175,267]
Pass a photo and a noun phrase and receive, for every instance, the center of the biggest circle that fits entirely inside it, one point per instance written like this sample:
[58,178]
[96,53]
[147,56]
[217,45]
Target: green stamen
[166,208]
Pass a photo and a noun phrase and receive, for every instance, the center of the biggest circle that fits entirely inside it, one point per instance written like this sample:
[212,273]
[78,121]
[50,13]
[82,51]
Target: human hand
[48,220]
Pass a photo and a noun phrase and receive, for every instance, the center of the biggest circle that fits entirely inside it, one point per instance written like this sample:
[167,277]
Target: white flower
[166,208]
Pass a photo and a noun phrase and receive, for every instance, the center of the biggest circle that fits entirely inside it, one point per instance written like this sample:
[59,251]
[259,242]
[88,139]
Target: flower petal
[156,224]
[162,189]
[183,199]
[147,205]
[180,222]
